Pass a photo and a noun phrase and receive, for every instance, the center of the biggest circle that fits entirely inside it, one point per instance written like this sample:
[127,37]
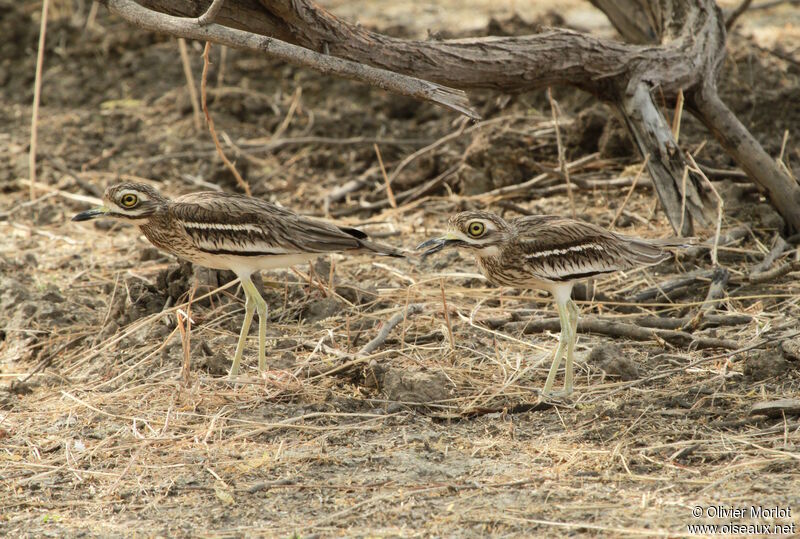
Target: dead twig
[614,328]
[404,198]
[389,192]
[562,160]
[716,290]
[630,191]
[664,289]
[37,93]
[736,13]
[524,187]
[729,238]
[243,184]
[776,408]
[187,71]
[676,119]
[720,206]
[775,273]
[211,13]
[295,102]
[447,316]
[383,334]
[779,246]
[708,321]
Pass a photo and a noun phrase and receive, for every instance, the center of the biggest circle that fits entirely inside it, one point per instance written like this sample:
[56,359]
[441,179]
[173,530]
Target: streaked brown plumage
[210,227]
[549,253]
[543,248]
[235,232]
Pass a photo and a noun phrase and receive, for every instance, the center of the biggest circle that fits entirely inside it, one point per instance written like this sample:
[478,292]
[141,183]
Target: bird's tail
[382,249]
[674,243]
[372,246]
[650,252]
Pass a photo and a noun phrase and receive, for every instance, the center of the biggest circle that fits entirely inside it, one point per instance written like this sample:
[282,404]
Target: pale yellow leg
[563,339]
[261,308]
[572,313]
[249,309]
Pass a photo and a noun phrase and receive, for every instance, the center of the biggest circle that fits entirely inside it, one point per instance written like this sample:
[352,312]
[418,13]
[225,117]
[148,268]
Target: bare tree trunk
[650,130]
[636,23]
[783,191]
[689,46]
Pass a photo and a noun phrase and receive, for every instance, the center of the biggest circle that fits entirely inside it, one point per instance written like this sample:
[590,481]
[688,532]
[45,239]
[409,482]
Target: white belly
[251,264]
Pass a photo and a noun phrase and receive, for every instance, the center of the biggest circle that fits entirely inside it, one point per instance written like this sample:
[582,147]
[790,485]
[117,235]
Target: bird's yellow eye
[476,229]
[128,200]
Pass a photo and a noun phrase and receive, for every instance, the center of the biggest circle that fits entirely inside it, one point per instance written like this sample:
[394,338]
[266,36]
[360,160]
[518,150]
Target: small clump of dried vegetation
[434,427]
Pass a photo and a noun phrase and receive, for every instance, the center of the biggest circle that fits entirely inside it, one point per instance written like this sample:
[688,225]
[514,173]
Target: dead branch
[211,13]
[351,361]
[774,273]
[387,328]
[210,122]
[192,29]
[733,136]
[708,321]
[729,238]
[674,46]
[736,13]
[777,408]
[777,250]
[654,322]
[623,330]
[716,291]
[664,289]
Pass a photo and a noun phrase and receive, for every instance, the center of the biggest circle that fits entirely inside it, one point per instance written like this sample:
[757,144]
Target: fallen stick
[708,321]
[733,235]
[654,322]
[624,330]
[351,360]
[664,289]
[380,338]
[524,187]
[774,273]
[404,198]
[716,291]
[777,250]
[777,408]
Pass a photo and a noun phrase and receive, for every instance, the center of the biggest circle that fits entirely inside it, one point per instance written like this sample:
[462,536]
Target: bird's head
[480,231]
[134,202]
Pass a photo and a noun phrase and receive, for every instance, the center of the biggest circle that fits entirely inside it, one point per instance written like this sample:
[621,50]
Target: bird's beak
[91,214]
[451,239]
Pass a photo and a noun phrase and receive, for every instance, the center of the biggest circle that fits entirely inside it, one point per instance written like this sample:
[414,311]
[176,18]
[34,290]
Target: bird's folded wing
[565,249]
[230,224]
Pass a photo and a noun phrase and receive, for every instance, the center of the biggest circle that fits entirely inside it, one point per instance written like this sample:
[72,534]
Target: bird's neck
[158,230]
[490,251]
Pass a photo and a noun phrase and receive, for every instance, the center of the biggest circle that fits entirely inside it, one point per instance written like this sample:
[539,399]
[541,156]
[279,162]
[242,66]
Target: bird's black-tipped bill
[436,244]
[90,214]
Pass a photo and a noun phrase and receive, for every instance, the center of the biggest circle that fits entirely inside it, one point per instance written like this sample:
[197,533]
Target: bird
[549,253]
[233,232]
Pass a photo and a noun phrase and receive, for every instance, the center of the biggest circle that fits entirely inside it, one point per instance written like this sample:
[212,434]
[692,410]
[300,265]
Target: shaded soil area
[438,432]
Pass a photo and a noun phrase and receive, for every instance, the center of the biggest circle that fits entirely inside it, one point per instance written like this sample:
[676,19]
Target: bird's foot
[278,377]
[560,394]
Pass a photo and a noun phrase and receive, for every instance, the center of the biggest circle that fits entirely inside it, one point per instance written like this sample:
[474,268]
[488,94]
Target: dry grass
[105,438]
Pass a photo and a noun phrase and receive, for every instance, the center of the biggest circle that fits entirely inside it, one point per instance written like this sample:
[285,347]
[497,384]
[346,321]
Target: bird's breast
[496,271]
[504,271]
[167,238]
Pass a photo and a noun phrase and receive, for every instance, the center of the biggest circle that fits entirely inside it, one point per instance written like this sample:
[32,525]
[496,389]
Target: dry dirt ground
[437,433]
